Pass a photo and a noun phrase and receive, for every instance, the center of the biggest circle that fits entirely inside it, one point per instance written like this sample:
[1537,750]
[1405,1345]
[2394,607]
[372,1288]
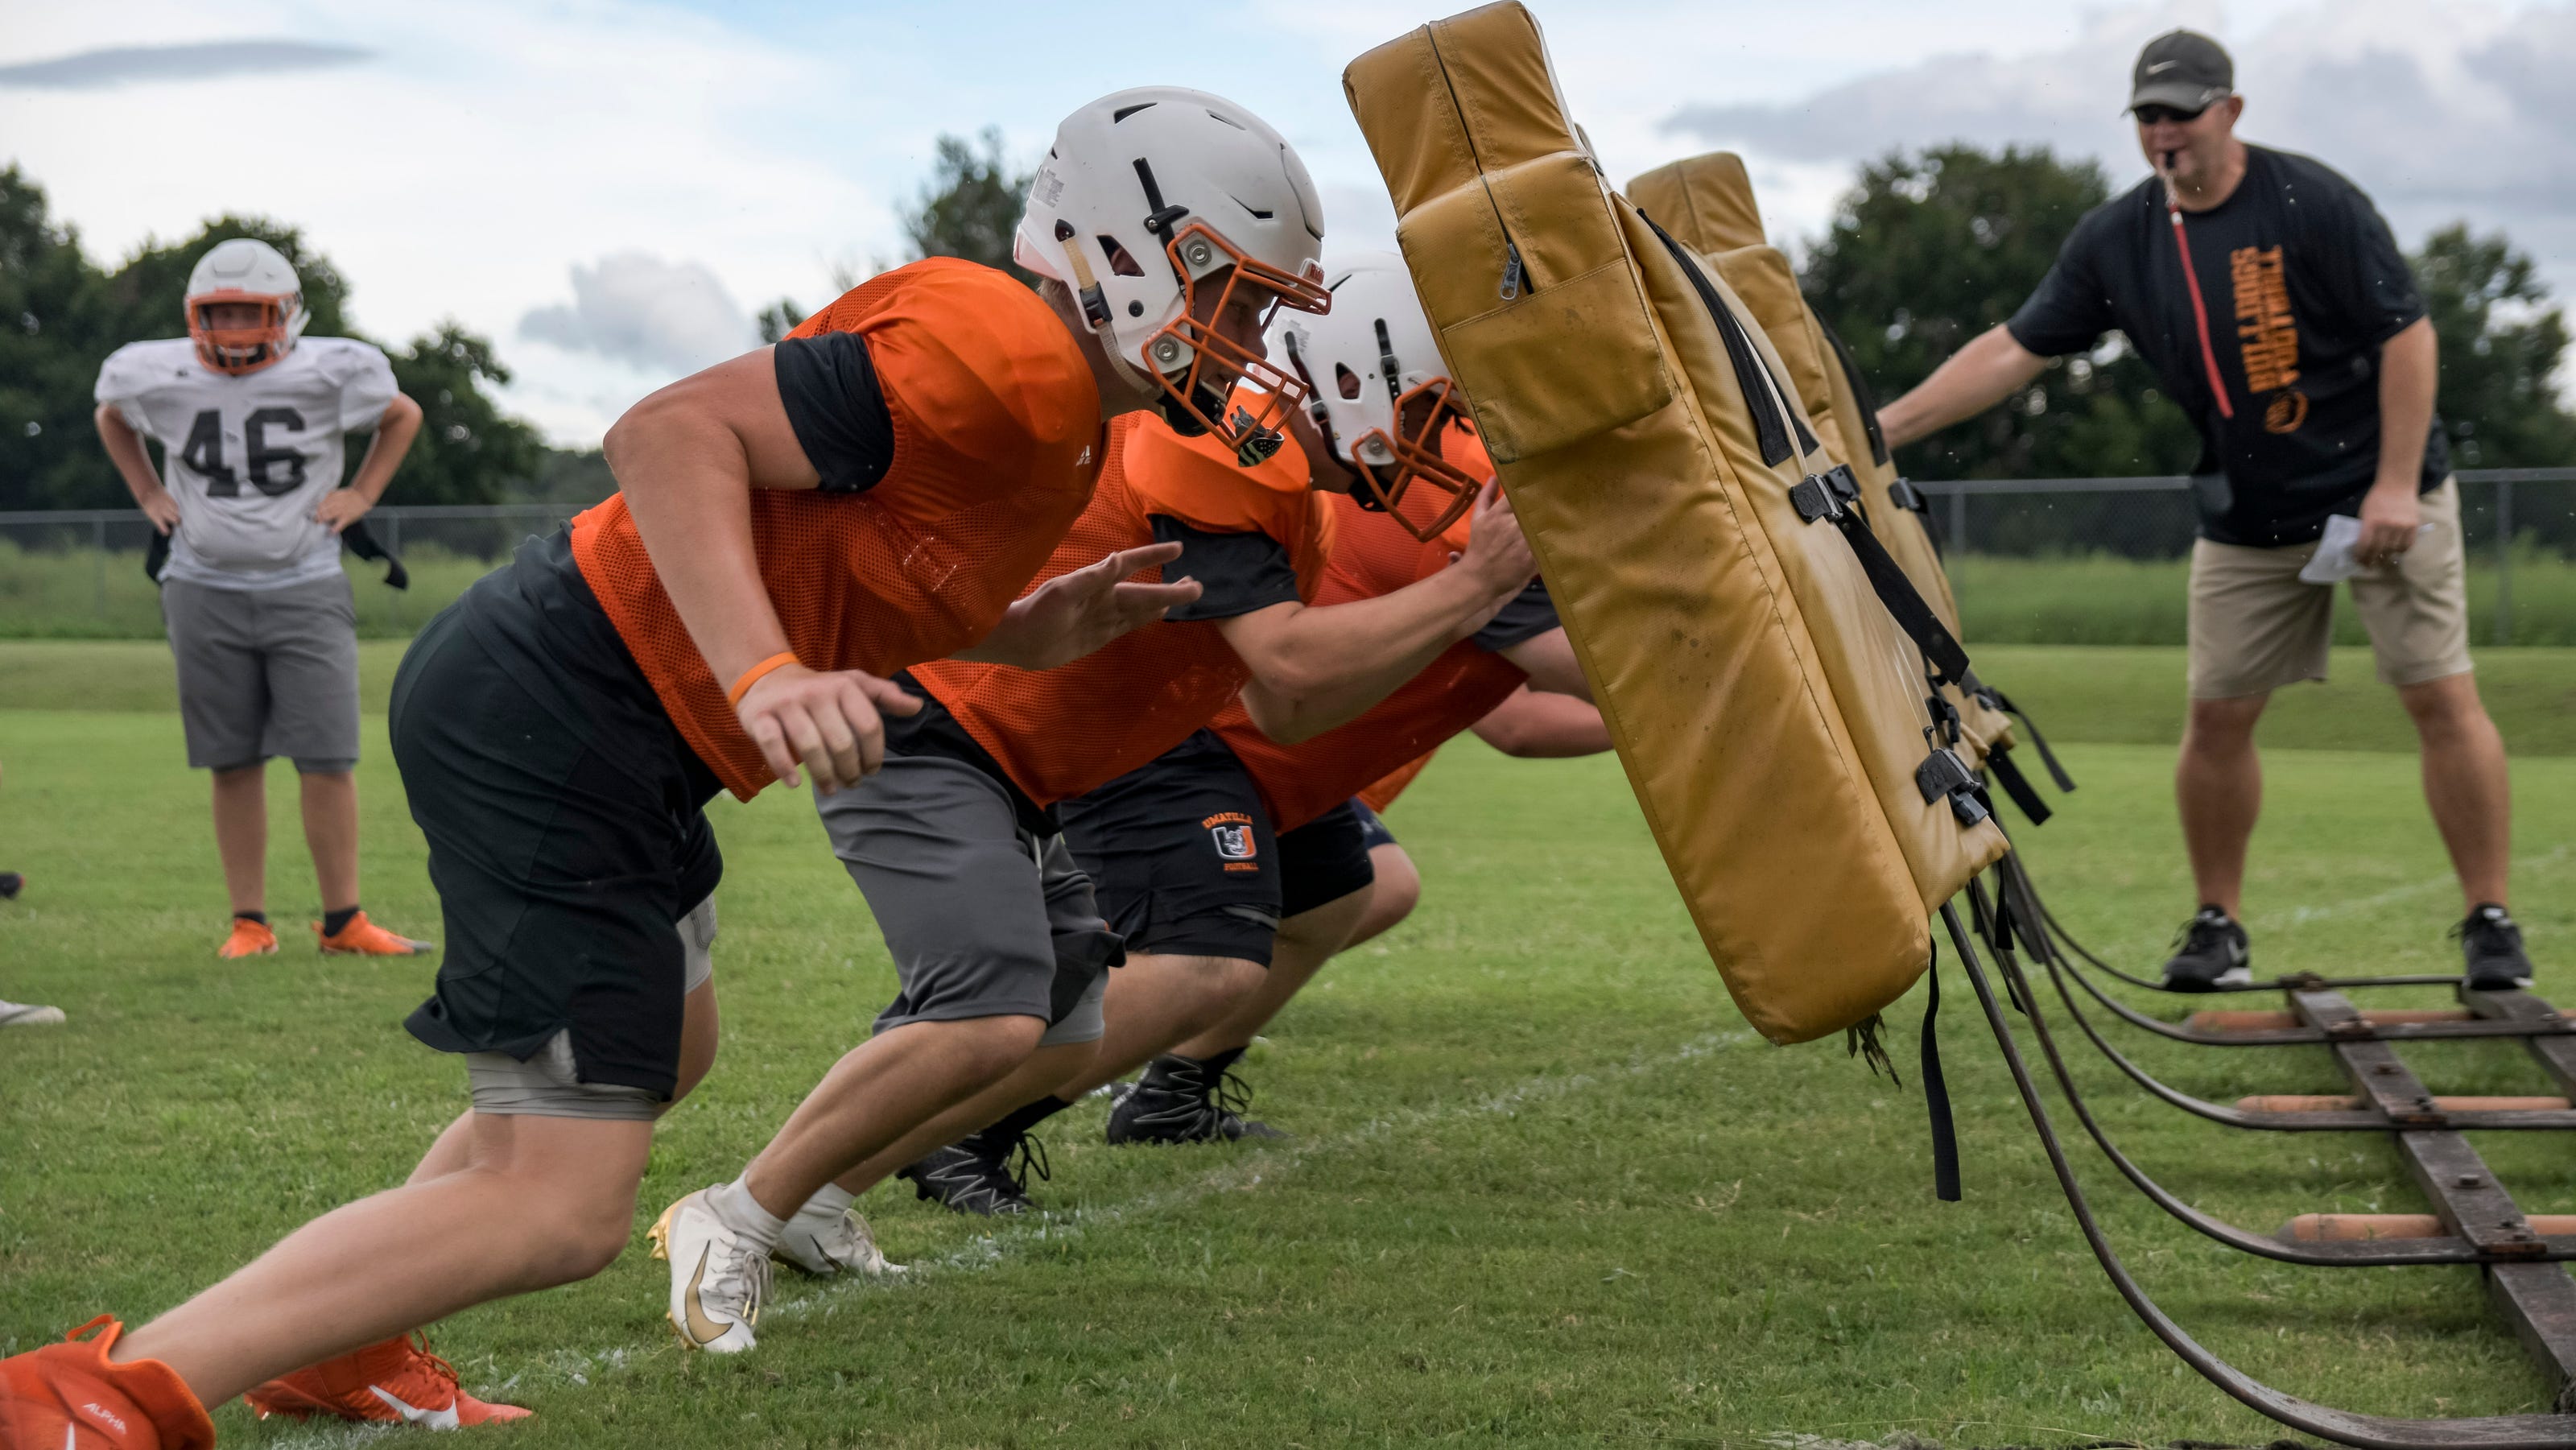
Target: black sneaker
[2213,953]
[2493,945]
[1186,1100]
[975,1174]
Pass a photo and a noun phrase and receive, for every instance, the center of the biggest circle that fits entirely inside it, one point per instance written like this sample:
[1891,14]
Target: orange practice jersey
[1062,732]
[1372,556]
[996,431]
[1382,792]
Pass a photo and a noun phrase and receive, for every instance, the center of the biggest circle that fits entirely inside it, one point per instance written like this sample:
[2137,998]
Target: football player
[249,414]
[793,527]
[1221,882]
[1001,950]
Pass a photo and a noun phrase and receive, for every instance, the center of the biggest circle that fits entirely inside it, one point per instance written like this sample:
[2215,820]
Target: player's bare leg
[1155,1001]
[330,800]
[1306,941]
[541,1201]
[877,1094]
[241,834]
[1046,1067]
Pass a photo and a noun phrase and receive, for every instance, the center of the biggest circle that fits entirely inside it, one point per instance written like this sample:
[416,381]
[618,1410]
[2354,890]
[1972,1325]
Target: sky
[611,189]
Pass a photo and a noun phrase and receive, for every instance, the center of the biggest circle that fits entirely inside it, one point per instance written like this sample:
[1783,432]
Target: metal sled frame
[2522,1268]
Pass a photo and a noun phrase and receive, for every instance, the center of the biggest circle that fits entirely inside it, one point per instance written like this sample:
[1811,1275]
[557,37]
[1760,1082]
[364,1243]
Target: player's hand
[342,507]
[2390,515]
[829,723]
[1495,548]
[1073,614]
[163,511]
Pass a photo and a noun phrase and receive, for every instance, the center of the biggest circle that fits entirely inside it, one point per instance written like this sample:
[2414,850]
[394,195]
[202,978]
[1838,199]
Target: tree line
[1927,250]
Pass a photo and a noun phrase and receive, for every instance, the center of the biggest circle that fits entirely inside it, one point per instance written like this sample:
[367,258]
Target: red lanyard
[2199,312]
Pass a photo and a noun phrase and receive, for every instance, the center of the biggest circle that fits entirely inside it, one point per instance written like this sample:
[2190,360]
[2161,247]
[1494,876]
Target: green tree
[1931,249]
[51,306]
[468,451]
[971,204]
[2501,342]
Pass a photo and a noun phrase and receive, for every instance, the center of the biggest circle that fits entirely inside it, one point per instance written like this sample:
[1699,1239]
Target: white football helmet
[1379,392]
[245,270]
[1145,195]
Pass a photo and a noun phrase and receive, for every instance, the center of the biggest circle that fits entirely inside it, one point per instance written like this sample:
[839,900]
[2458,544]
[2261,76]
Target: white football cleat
[824,1244]
[27,1014]
[719,1279]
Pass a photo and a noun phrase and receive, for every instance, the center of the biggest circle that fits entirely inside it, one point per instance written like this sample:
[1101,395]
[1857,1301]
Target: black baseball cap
[2183,69]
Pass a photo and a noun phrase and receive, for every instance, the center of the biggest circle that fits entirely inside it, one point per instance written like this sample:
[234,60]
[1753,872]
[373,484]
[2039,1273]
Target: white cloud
[2464,114]
[636,308]
[204,60]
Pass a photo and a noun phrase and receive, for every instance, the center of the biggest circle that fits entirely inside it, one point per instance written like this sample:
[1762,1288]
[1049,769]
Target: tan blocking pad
[1762,277]
[1706,202]
[1710,200]
[1766,708]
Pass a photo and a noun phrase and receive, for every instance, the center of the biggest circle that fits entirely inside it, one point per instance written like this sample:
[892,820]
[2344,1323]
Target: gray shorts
[266,672]
[983,918]
[548,1085]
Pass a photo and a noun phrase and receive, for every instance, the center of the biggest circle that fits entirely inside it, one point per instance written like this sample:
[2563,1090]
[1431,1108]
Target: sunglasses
[2158,115]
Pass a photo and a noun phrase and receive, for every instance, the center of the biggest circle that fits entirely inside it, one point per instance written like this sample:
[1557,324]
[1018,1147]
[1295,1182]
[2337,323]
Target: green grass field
[1546,1187]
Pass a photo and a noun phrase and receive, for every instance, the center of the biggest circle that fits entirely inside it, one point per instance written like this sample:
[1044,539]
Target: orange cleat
[72,1395]
[393,1382]
[249,939]
[363,938]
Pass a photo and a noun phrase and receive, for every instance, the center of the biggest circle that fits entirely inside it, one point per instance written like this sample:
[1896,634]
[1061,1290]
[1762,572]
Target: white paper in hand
[2333,562]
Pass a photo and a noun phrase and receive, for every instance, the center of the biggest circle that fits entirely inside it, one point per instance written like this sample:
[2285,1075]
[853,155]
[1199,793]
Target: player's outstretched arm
[1548,659]
[395,430]
[1534,724]
[1075,613]
[1314,669]
[134,464]
[687,459]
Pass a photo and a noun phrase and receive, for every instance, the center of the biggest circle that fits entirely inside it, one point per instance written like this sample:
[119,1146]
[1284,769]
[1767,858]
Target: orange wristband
[756,674]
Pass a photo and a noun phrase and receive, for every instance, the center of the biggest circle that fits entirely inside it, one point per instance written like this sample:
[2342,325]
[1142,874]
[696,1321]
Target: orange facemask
[239,350]
[1415,449]
[1217,364]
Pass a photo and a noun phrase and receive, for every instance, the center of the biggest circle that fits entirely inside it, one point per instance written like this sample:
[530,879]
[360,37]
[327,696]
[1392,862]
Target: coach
[2267,293]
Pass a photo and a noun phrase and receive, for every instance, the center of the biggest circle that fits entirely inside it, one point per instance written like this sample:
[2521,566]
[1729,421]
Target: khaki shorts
[2255,626]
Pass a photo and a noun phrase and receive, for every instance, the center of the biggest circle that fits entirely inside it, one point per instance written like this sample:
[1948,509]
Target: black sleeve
[2372,281]
[829,385]
[1237,573]
[2070,310]
[1530,614]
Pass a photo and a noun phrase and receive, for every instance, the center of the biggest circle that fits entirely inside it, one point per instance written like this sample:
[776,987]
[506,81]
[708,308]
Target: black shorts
[1327,858]
[1372,829]
[1180,854]
[566,828]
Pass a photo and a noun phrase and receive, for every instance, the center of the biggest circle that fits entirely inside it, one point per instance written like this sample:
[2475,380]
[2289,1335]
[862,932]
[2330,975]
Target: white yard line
[2395,894]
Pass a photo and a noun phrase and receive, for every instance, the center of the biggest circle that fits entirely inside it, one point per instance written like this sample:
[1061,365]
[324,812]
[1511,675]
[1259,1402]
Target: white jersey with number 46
[249,456]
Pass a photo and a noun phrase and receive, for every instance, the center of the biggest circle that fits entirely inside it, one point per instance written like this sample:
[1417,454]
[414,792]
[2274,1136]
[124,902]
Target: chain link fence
[2040,561]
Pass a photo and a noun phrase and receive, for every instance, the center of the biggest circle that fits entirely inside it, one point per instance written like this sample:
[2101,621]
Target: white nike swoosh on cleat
[433,1419]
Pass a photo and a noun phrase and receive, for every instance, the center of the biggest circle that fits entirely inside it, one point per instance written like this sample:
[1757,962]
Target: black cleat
[2493,946]
[2212,953]
[1186,1100]
[974,1174]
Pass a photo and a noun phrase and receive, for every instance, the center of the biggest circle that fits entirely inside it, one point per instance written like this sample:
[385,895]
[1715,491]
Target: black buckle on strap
[1944,776]
[1905,495]
[1846,487]
[1814,498]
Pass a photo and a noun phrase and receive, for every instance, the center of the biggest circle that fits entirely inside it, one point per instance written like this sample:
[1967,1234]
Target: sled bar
[2329,1103]
[2371,1432]
[2326,1255]
[2335,1228]
[2383,1017]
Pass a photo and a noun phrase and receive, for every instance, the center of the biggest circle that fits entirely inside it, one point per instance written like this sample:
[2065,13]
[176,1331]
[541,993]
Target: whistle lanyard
[2199,310]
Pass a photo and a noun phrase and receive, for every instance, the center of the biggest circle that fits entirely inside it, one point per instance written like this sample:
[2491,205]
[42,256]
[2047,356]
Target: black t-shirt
[2302,284]
[1528,615]
[828,384]
[1238,573]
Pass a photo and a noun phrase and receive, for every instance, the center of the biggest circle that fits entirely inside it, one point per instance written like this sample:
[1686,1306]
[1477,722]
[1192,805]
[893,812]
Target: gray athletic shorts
[547,1086]
[266,672]
[983,918]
